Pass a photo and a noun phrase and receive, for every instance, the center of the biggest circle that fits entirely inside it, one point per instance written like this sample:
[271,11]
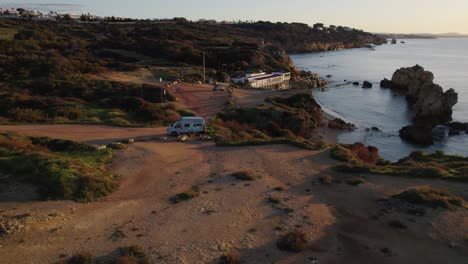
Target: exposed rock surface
[368,154]
[339,124]
[456,128]
[386,83]
[417,134]
[431,104]
[366,84]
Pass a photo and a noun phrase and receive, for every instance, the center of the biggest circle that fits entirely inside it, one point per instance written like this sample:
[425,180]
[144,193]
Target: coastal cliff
[301,38]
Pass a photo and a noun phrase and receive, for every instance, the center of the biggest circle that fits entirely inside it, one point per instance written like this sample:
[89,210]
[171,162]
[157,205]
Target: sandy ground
[345,224]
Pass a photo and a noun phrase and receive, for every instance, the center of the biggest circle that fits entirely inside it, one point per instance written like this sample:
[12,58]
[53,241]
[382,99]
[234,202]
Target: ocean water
[389,111]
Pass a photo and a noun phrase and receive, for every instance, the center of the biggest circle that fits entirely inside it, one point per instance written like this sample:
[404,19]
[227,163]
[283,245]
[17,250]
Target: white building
[262,80]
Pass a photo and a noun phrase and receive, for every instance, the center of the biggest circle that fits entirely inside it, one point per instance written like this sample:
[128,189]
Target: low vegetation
[295,241]
[430,197]
[126,255]
[245,175]
[417,164]
[61,169]
[289,121]
[184,196]
[80,258]
[341,154]
[132,255]
[230,258]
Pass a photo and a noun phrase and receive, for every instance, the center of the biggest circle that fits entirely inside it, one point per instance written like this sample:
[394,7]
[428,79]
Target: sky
[391,16]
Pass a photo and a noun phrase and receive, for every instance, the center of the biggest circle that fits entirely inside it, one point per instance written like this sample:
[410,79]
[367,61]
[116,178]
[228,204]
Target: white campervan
[187,125]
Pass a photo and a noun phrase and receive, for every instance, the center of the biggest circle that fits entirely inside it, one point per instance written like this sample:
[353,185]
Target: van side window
[187,125]
[178,126]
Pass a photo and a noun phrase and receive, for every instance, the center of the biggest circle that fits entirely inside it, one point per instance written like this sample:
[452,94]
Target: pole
[204,71]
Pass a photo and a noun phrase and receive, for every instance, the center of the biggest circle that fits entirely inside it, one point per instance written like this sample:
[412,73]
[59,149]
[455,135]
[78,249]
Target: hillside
[48,69]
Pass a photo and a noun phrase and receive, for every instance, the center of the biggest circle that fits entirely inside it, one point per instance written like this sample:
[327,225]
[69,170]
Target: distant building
[262,80]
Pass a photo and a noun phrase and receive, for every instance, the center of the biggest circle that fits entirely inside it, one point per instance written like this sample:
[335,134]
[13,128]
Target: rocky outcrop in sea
[431,104]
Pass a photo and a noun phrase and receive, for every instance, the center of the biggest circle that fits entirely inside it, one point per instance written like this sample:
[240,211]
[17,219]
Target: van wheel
[174,134]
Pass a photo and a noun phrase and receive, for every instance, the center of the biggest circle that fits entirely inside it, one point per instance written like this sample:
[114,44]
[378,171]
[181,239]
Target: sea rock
[366,84]
[355,83]
[386,83]
[339,124]
[417,135]
[456,128]
[431,104]
[375,129]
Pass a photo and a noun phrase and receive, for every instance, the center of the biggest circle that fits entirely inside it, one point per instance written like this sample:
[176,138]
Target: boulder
[375,129]
[356,83]
[386,83]
[417,135]
[366,84]
[430,103]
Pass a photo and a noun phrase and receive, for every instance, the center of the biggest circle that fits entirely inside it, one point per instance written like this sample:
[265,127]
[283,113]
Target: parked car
[187,125]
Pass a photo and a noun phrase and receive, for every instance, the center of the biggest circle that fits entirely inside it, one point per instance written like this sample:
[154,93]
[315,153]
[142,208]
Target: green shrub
[116,146]
[341,154]
[62,169]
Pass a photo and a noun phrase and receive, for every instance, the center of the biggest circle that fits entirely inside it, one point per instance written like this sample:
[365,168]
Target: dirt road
[344,223]
[201,99]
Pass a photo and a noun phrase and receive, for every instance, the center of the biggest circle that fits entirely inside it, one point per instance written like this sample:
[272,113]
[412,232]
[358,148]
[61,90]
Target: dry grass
[431,197]
[187,195]
[244,175]
[295,241]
